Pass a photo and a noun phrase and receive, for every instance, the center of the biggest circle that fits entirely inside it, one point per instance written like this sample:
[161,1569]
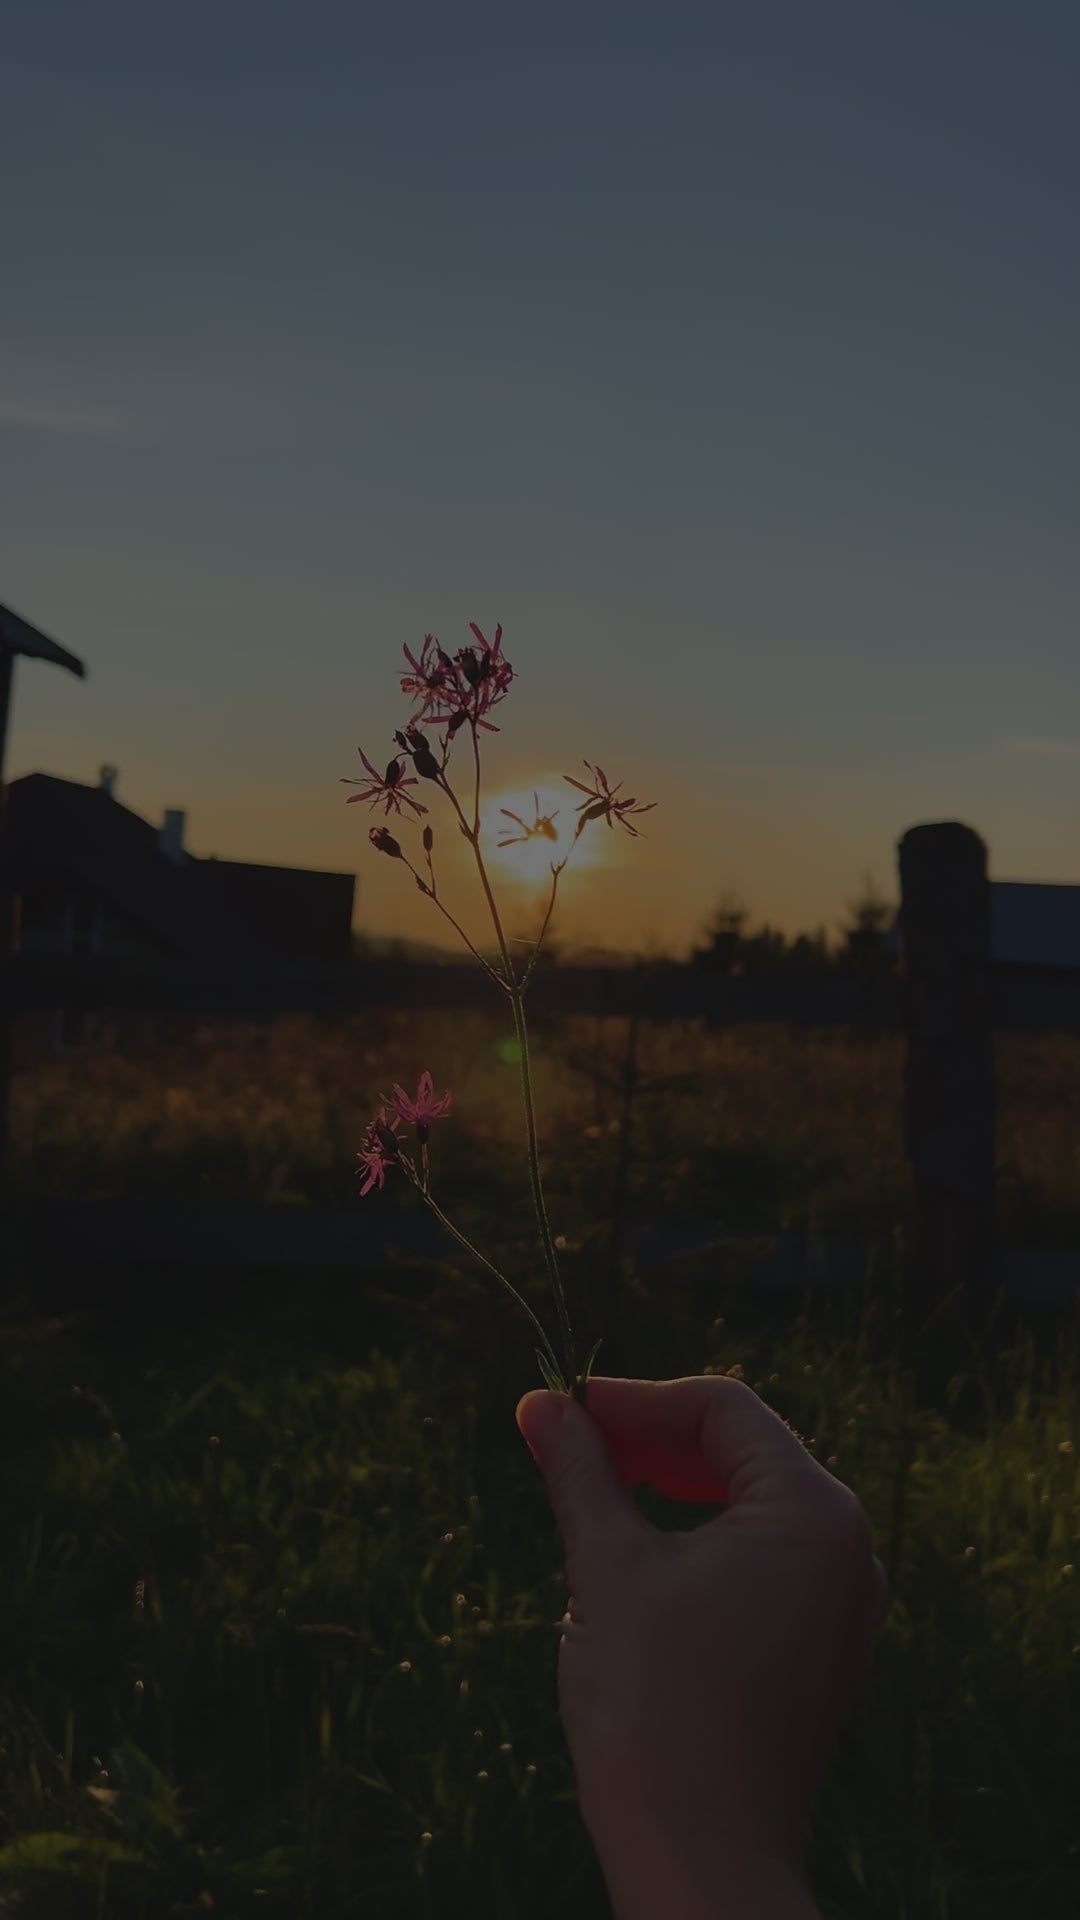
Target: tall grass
[765,1127]
[281,1622]
[282,1587]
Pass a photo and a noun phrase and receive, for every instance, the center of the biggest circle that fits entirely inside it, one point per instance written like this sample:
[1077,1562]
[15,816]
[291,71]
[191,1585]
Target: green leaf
[589,1362]
[67,1853]
[146,1802]
[551,1378]
[367,1780]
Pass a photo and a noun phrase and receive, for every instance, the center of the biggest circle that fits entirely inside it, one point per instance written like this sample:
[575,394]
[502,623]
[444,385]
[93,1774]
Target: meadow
[766,1127]
[283,1588]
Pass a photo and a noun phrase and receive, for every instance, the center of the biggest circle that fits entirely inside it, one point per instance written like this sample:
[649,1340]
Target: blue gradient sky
[727,353]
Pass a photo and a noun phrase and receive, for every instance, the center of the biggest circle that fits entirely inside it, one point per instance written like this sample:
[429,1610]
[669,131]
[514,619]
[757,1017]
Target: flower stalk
[453,693]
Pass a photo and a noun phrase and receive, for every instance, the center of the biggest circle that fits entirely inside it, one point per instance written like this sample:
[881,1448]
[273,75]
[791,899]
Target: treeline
[730,946]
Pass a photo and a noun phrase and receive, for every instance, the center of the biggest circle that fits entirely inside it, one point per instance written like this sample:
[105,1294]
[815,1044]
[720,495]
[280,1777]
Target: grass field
[767,1127]
[282,1585]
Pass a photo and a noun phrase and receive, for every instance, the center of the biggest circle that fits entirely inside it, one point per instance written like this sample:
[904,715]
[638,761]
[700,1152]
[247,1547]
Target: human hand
[703,1676]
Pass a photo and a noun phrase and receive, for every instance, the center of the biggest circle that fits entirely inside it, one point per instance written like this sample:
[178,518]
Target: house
[91,876]
[1034,929]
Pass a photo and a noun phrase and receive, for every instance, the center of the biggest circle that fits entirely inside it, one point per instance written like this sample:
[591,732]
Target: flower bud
[456,720]
[426,764]
[385,843]
[429,839]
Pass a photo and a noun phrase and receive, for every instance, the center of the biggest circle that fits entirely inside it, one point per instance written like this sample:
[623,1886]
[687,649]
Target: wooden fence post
[7,917]
[620,1187]
[950,1097]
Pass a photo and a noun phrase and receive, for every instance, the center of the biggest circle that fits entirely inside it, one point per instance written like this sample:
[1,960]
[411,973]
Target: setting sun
[536,828]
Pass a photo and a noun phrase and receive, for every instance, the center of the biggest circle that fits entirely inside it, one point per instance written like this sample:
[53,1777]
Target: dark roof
[59,828]
[1031,925]
[20,637]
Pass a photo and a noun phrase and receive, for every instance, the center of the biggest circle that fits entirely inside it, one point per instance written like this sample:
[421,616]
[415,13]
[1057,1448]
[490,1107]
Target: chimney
[107,780]
[171,836]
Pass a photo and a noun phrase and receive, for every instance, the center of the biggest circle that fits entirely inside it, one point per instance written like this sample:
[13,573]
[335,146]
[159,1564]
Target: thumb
[592,1506]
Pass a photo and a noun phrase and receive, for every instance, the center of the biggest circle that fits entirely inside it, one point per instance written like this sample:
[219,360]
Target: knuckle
[846,1522]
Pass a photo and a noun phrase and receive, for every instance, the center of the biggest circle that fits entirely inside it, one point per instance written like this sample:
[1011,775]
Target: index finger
[706,1438]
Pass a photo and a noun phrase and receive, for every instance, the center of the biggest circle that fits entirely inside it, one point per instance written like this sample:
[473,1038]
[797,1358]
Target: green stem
[537,1184]
[475,951]
[555,876]
[476,783]
[521,1033]
[440,1216]
[535,955]
[472,835]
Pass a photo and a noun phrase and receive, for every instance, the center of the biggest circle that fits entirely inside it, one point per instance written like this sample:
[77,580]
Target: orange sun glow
[540,835]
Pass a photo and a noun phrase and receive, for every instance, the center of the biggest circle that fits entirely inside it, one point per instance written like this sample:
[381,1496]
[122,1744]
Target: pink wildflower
[600,802]
[434,678]
[544,827]
[389,786]
[378,1152]
[487,672]
[464,688]
[419,1113]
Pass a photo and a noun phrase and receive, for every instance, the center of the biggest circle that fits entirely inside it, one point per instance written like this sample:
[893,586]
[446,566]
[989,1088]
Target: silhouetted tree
[723,937]
[763,952]
[730,948]
[863,951]
[809,953]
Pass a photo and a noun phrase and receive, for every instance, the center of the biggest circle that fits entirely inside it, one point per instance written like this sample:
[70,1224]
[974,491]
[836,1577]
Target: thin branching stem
[476,785]
[556,873]
[422,1189]
[521,1032]
[472,835]
[535,955]
[475,951]
[515,989]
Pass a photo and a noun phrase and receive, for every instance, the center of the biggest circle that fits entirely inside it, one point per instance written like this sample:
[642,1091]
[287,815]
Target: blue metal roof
[1031,925]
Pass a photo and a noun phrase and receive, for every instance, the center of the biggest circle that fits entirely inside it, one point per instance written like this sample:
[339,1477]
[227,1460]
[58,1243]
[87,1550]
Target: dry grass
[762,1127]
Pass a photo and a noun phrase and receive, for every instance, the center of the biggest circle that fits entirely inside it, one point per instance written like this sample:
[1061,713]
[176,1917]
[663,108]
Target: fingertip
[539,1414]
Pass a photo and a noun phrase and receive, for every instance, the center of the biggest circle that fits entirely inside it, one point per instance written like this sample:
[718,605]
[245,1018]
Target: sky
[725,353]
